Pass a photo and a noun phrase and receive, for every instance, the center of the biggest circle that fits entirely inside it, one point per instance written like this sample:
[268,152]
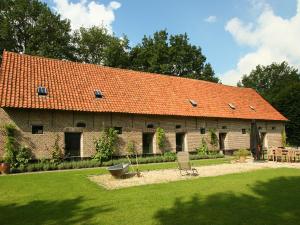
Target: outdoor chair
[280,154]
[271,154]
[184,164]
[291,155]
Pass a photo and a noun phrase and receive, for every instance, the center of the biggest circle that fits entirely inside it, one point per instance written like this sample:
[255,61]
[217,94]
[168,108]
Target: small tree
[132,151]
[106,145]
[10,147]
[161,138]
[213,139]
[203,149]
[57,153]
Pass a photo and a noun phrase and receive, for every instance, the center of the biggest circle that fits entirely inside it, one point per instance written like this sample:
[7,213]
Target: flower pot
[5,168]
[242,159]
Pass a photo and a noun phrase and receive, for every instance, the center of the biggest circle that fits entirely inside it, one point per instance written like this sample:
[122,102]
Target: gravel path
[164,176]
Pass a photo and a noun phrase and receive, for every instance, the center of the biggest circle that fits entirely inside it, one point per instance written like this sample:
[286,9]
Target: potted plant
[5,167]
[241,154]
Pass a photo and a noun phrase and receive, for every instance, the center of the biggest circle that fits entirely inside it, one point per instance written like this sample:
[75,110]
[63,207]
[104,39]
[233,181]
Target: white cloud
[274,39]
[87,13]
[211,19]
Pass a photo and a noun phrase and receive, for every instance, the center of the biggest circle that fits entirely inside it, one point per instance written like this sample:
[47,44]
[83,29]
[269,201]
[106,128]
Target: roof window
[193,102]
[232,106]
[251,107]
[98,94]
[42,91]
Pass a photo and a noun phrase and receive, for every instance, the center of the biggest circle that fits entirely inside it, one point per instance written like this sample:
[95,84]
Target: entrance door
[222,137]
[72,144]
[180,142]
[148,143]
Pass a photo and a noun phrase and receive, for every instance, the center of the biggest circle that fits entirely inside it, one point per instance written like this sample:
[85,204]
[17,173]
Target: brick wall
[57,122]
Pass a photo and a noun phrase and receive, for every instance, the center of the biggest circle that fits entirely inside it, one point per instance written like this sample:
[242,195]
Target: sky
[234,35]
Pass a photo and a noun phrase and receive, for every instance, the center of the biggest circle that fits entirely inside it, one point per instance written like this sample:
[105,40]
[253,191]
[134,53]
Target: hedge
[48,166]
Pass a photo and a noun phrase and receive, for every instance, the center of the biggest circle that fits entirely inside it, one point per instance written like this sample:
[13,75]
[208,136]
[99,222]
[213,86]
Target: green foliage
[160,138]
[172,55]
[169,156]
[23,156]
[241,153]
[10,147]
[29,26]
[203,149]
[287,102]
[214,140]
[57,155]
[106,145]
[96,45]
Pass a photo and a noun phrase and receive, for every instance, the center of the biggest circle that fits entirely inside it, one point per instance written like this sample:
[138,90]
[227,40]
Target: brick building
[46,98]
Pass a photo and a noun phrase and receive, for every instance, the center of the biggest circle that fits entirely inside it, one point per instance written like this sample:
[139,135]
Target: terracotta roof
[71,86]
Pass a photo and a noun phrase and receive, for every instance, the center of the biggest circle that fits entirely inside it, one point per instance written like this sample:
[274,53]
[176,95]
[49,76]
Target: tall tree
[29,26]
[270,80]
[288,102]
[280,85]
[95,45]
[172,55]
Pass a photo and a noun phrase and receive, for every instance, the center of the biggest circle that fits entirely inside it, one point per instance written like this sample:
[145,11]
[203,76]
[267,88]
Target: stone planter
[5,168]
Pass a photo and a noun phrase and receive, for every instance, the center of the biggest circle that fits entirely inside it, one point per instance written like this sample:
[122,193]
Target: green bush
[241,153]
[23,156]
[203,149]
[161,138]
[169,156]
[106,145]
[10,147]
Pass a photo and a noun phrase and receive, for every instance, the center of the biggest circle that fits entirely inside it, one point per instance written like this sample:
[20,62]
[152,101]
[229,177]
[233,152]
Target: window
[98,94]
[232,106]
[81,124]
[178,126]
[273,128]
[150,126]
[251,107]
[42,91]
[243,131]
[37,129]
[193,102]
[224,127]
[118,129]
[202,130]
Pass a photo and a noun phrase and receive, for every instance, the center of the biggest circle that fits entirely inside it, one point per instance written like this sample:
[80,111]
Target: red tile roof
[71,87]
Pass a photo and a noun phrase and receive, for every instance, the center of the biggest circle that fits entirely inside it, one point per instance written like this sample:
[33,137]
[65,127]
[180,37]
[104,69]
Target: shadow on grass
[274,202]
[40,212]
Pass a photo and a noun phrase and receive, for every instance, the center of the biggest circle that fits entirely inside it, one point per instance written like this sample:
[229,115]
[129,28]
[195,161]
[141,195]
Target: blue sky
[220,39]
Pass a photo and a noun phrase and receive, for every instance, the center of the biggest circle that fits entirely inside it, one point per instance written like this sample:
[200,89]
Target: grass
[261,197]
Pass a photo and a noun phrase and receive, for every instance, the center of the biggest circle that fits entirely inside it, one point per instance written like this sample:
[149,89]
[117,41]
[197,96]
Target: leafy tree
[172,55]
[288,102]
[29,26]
[95,45]
[280,85]
[270,80]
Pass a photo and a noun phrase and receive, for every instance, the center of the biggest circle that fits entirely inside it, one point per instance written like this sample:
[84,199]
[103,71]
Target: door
[72,144]
[148,143]
[222,137]
[180,142]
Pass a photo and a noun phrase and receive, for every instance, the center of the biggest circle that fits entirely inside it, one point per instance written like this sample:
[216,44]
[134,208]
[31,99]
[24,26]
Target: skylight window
[42,91]
[251,107]
[232,106]
[98,94]
[193,102]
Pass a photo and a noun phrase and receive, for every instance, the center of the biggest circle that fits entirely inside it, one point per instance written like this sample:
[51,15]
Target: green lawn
[263,197]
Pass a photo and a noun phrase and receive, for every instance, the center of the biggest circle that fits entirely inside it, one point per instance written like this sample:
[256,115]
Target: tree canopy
[172,55]
[270,80]
[279,83]
[29,26]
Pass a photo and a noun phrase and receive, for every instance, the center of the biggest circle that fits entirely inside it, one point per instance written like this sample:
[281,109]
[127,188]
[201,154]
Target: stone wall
[56,123]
